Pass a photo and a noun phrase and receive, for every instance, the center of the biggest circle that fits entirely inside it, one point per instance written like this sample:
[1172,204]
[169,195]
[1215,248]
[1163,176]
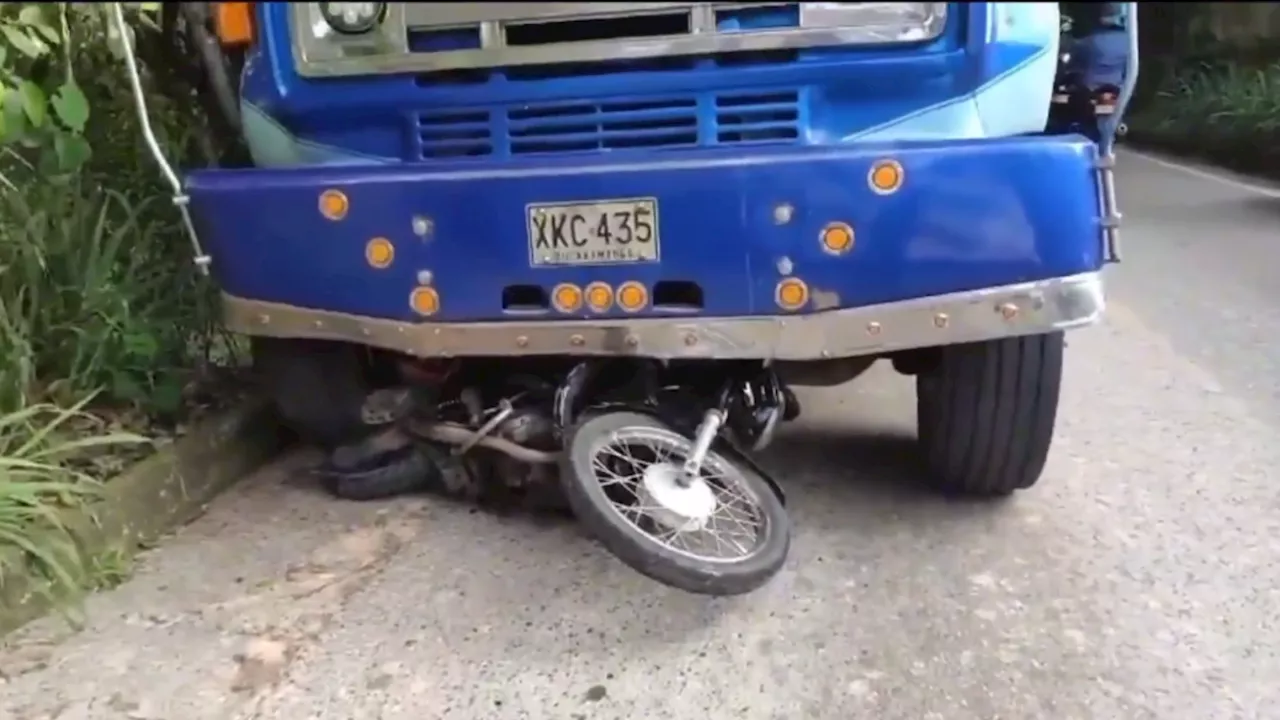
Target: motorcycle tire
[376,469]
[644,553]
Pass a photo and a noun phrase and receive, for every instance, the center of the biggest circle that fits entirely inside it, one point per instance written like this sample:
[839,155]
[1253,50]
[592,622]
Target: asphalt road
[1139,580]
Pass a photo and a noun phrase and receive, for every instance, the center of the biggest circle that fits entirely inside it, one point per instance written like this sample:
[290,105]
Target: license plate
[596,233]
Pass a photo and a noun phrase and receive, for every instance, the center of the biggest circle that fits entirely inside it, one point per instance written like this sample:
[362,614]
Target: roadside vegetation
[105,328]
[1201,97]
[1223,112]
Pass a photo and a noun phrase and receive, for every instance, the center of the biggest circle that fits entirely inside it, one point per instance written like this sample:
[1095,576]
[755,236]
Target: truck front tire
[318,387]
[986,413]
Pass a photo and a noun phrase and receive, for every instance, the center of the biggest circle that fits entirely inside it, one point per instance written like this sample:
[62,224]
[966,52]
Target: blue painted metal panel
[971,214]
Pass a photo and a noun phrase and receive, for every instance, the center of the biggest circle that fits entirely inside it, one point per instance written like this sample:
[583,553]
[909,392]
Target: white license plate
[596,233]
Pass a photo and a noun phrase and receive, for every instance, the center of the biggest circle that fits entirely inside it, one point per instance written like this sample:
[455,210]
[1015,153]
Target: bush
[101,311]
[96,293]
[1221,104]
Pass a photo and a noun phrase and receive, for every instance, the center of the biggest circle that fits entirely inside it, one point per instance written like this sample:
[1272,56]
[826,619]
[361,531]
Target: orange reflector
[233,22]
[632,296]
[424,300]
[333,204]
[566,297]
[379,252]
[792,294]
[885,177]
[837,238]
[599,296]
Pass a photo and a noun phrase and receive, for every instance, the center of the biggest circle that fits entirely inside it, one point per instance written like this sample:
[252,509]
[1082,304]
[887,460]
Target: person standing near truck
[1100,52]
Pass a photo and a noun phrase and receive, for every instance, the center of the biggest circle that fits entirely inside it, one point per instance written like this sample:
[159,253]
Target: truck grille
[501,27]
[442,36]
[610,125]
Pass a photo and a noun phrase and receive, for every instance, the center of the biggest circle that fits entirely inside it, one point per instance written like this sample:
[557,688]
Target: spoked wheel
[722,532]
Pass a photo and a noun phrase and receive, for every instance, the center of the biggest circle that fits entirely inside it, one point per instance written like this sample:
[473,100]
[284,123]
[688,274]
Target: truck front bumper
[977,240]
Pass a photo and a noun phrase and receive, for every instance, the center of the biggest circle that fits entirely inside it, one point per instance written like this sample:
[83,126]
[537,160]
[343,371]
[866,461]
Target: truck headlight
[353,18]
[893,21]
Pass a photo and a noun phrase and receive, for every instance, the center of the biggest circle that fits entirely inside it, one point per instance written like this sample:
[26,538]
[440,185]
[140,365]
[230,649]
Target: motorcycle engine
[533,486]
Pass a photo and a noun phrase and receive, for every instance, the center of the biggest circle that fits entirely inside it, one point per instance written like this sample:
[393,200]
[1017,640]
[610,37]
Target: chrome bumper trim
[987,314]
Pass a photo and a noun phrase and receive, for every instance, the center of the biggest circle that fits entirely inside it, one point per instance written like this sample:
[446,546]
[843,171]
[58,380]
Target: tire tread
[987,413]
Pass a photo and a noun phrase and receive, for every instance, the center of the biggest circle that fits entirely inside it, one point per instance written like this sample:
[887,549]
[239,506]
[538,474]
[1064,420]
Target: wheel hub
[684,508]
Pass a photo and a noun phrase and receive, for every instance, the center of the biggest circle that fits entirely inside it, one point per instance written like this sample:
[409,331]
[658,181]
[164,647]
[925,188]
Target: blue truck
[592,247]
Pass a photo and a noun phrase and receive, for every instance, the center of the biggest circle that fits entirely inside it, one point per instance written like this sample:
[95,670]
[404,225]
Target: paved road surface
[1139,581]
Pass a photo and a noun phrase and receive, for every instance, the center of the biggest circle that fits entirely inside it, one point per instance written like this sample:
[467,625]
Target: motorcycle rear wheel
[618,474]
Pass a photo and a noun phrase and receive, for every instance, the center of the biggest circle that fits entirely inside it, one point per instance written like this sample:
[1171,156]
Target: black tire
[645,555]
[381,476]
[318,387]
[986,413]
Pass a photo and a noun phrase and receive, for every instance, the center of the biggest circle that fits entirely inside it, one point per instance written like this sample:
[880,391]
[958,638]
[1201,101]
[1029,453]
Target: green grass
[47,462]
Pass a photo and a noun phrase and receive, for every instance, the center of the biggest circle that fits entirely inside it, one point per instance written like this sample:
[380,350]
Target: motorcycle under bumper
[973,240]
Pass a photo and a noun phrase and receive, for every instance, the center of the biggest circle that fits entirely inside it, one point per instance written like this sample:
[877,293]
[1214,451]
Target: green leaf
[26,43]
[142,344]
[34,103]
[50,35]
[15,120]
[33,17]
[71,106]
[72,151]
[31,14]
